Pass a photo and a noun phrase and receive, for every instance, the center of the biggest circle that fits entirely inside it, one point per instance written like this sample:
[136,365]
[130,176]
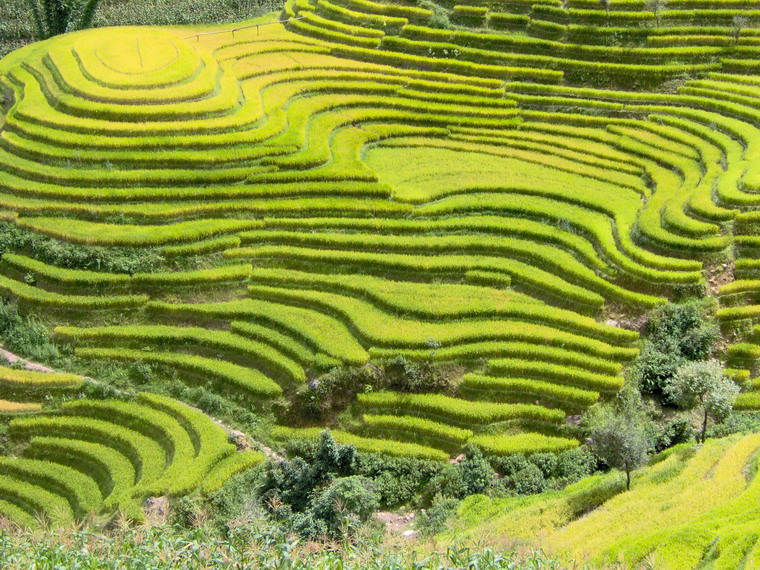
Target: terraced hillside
[92,457]
[695,507]
[361,182]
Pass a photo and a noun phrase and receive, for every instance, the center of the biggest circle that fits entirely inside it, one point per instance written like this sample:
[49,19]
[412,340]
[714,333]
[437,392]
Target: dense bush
[17,25]
[703,385]
[675,333]
[433,520]
[535,473]
[406,375]
[53,17]
[738,422]
[397,480]
[470,476]
[671,432]
[333,391]
[322,497]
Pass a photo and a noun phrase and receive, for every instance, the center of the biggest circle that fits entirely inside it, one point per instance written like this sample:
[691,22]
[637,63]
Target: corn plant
[53,17]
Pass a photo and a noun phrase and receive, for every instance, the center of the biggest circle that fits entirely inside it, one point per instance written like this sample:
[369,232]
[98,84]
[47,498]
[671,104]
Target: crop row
[505,349]
[62,277]
[525,443]
[367,445]
[418,427]
[525,275]
[253,352]
[381,329]
[437,301]
[226,374]
[19,379]
[561,373]
[466,412]
[318,331]
[108,454]
[523,389]
[8,407]
[39,297]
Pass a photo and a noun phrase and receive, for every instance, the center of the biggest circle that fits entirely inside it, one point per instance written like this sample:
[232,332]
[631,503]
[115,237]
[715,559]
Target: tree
[620,440]
[703,385]
[656,7]
[53,17]
[740,22]
[606,5]
[676,333]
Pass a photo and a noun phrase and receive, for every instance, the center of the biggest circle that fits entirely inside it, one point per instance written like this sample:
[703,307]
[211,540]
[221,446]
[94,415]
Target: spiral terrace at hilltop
[356,184]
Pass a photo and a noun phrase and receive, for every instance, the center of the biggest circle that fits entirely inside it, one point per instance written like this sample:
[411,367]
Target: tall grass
[166,547]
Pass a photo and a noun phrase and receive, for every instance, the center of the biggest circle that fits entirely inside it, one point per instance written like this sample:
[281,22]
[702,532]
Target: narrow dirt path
[8,356]
[398,524]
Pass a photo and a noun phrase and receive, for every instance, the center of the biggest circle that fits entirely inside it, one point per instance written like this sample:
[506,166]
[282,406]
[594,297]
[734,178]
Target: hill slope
[697,506]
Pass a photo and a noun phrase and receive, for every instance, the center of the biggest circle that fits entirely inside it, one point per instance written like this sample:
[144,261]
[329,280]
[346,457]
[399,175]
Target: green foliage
[433,520]
[526,475]
[676,333]
[256,545]
[529,480]
[53,17]
[404,375]
[331,392]
[470,476]
[618,437]
[672,432]
[737,422]
[321,497]
[397,480]
[690,324]
[703,385]
[25,335]
[66,255]
[440,17]
[346,502]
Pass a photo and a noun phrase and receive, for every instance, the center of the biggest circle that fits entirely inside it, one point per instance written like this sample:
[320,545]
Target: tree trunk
[704,426]
[627,479]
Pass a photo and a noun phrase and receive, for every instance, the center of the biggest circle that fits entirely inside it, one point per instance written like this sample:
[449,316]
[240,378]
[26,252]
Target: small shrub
[677,430]
[345,503]
[405,375]
[433,520]
[25,335]
[529,480]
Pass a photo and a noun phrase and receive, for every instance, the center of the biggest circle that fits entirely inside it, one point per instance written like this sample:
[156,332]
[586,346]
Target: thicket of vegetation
[18,27]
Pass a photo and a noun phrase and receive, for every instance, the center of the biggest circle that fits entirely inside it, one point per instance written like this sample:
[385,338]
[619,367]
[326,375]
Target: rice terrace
[380,284]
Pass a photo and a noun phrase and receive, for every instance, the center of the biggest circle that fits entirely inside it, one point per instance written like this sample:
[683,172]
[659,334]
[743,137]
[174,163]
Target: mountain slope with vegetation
[495,248]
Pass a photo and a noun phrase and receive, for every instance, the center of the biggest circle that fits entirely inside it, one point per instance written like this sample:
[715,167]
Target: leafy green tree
[53,17]
[739,24]
[606,5]
[619,439]
[703,385]
[675,333]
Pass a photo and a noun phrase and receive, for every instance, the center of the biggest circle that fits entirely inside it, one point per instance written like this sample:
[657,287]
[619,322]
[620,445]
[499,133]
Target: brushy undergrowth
[168,547]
